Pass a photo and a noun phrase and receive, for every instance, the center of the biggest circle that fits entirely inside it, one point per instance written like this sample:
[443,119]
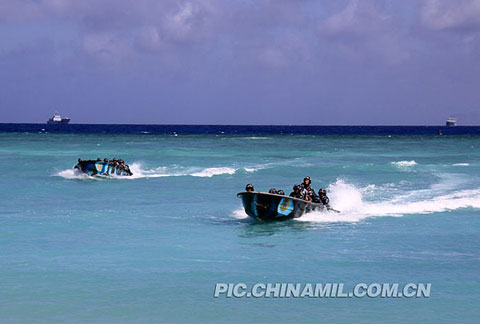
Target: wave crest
[404,163]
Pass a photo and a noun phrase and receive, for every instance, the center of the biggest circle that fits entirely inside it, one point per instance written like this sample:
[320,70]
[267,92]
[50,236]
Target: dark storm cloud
[262,62]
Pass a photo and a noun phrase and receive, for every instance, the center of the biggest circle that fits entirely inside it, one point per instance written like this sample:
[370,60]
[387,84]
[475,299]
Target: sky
[288,62]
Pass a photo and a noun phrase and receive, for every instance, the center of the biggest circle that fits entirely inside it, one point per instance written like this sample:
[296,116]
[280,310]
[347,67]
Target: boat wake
[357,204]
[176,171]
[72,174]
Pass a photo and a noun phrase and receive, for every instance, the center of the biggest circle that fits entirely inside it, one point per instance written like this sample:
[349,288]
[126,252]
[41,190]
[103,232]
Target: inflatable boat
[267,207]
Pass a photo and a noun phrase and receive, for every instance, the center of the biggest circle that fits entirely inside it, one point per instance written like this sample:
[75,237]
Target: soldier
[307,185]
[322,195]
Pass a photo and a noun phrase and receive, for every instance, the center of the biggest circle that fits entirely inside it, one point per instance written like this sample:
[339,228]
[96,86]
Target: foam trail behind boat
[350,201]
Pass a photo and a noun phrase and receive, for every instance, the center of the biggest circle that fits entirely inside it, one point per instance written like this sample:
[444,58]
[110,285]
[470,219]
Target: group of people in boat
[303,191]
[118,164]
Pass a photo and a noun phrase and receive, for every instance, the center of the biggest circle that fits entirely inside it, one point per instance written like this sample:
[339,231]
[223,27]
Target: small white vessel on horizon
[57,119]
[451,121]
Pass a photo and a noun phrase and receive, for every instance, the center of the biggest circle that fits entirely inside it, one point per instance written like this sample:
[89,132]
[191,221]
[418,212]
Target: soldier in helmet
[299,192]
[307,185]
[322,195]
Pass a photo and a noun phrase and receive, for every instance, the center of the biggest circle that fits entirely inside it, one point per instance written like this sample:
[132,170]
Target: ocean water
[150,248]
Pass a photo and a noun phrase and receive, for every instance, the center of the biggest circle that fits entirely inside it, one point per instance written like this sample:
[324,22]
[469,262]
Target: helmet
[322,191]
[121,161]
[280,192]
[79,160]
[249,187]
[272,191]
[99,159]
[105,160]
[307,178]
[115,160]
[297,187]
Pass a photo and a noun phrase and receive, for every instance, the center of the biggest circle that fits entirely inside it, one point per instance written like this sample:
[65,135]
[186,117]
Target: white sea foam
[405,163]
[251,169]
[210,172]
[140,172]
[256,138]
[270,165]
[240,214]
[354,206]
[136,169]
[461,164]
[71,174]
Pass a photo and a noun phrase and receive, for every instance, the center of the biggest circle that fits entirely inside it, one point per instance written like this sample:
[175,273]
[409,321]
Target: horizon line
[248,125]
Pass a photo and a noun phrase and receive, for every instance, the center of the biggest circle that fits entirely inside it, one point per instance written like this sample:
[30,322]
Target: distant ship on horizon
[451,121]
[57,119]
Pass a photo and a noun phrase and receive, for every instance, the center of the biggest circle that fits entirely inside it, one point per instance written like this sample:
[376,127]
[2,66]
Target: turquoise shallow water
[151,248]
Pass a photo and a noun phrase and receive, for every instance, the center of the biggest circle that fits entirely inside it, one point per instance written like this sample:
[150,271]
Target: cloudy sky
[362,62]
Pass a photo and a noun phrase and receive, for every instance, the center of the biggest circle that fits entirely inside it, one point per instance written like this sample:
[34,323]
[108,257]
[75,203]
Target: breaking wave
[404,163]
[461,164]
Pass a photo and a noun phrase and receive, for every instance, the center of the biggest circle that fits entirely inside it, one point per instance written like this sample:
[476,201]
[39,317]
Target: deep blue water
[150,248]
[241,129]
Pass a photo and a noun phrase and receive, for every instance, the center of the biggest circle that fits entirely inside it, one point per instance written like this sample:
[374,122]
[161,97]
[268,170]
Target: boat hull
[64,121]
[269,207]
[101,168]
